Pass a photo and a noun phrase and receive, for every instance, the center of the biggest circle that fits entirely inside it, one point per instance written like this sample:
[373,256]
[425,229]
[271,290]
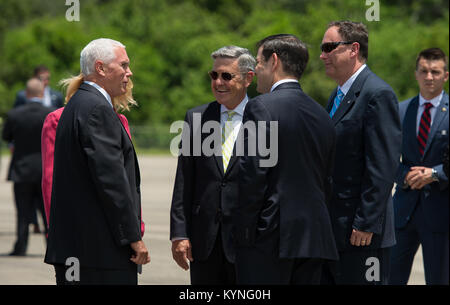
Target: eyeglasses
[225,75]
[327,47]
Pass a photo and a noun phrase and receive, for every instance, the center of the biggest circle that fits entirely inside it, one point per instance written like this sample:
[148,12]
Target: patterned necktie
[337,101]
[227,140]
[424,128]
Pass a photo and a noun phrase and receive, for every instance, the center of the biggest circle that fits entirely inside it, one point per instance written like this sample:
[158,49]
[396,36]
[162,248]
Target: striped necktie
[424,128]
[337,101]
[227,140]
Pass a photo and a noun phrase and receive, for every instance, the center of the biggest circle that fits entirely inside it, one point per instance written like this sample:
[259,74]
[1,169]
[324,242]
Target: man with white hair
[94,235]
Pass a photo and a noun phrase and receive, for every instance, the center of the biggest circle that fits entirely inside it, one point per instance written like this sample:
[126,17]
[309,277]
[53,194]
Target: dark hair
[39,69]
[292,52]
[354,32]
[432,54]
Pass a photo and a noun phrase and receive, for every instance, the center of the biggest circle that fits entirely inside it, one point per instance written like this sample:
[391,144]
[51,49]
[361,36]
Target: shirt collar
[239,108]
[35,99]
[434,101]
[286,80]
[346,86]
[102,91]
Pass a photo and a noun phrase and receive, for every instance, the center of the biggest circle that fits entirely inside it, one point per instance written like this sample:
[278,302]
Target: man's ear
[249,78]
[275,61]
[355,49]
[100,67]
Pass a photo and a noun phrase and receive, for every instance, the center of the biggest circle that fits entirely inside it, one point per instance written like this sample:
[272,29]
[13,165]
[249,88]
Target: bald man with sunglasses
[364,110]
[206,186]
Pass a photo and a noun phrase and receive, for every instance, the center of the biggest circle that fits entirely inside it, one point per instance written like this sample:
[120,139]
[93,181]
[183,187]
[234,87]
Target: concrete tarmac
[157,173]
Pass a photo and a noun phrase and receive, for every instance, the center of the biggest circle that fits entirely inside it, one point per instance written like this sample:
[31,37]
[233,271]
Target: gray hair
[246,62]
[98,49]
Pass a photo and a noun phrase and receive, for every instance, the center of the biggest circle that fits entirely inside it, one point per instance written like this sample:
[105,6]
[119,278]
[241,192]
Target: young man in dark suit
[23,127]
[364,111]
[282,226]
[206,185]
[95,202]
[421,197]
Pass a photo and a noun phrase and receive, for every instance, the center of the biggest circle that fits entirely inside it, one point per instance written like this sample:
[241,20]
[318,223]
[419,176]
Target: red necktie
[424,128]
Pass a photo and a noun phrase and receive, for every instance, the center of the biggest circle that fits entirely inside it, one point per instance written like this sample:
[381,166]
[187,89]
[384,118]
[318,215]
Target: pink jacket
[48,148]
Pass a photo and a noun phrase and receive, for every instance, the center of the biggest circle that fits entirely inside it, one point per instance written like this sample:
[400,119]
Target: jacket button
[224,184]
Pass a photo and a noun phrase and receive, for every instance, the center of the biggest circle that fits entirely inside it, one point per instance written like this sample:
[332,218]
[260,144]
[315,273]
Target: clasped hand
[418,177]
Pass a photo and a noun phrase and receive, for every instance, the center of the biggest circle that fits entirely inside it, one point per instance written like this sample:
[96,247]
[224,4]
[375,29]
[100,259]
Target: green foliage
[170,42]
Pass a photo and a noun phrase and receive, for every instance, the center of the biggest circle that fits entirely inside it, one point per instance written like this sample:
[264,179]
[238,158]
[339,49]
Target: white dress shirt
[286,80]
[237,118]
[47,100]
[346,86]
[434,101]
[102,91]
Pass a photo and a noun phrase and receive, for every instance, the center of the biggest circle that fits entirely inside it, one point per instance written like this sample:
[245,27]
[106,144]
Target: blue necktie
[337,101]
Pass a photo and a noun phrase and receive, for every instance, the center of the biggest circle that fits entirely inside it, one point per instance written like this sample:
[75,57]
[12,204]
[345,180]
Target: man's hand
[141,256]
[182,253]
[360,238]
[418,177]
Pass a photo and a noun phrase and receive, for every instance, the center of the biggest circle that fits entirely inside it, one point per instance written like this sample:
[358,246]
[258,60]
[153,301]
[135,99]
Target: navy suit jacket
[287,203]
[367,155]
[434,196]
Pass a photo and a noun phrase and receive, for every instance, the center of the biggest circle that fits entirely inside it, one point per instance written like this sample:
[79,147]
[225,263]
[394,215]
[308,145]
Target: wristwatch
[434,175]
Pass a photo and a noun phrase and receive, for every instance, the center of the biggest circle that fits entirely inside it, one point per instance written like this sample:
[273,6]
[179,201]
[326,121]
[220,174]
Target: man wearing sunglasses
[364,110]
[206,187]
[281,225]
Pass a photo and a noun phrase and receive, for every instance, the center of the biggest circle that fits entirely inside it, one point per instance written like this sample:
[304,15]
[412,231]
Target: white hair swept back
[98,49]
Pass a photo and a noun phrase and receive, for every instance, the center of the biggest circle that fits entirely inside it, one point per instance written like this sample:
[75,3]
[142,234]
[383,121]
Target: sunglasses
[327,47]
[225,75]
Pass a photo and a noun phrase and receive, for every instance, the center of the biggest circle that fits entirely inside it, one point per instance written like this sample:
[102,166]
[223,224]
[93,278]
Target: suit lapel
[93,90]
[233,156]
[441,112]
[212,113]
[409,129]
[331,100]
[351,96]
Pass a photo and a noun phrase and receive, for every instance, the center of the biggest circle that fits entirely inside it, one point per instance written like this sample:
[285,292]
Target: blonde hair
[121,103]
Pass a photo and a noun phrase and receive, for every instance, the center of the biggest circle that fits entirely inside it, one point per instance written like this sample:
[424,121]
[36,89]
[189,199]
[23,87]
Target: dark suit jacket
[434,196]
[95,202]
[56,97]
[203,194]
[23,126]
[367,155]
[288,199]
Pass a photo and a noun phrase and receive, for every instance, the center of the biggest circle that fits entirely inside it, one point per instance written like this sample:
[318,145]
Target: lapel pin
[444,132]
[444,109]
